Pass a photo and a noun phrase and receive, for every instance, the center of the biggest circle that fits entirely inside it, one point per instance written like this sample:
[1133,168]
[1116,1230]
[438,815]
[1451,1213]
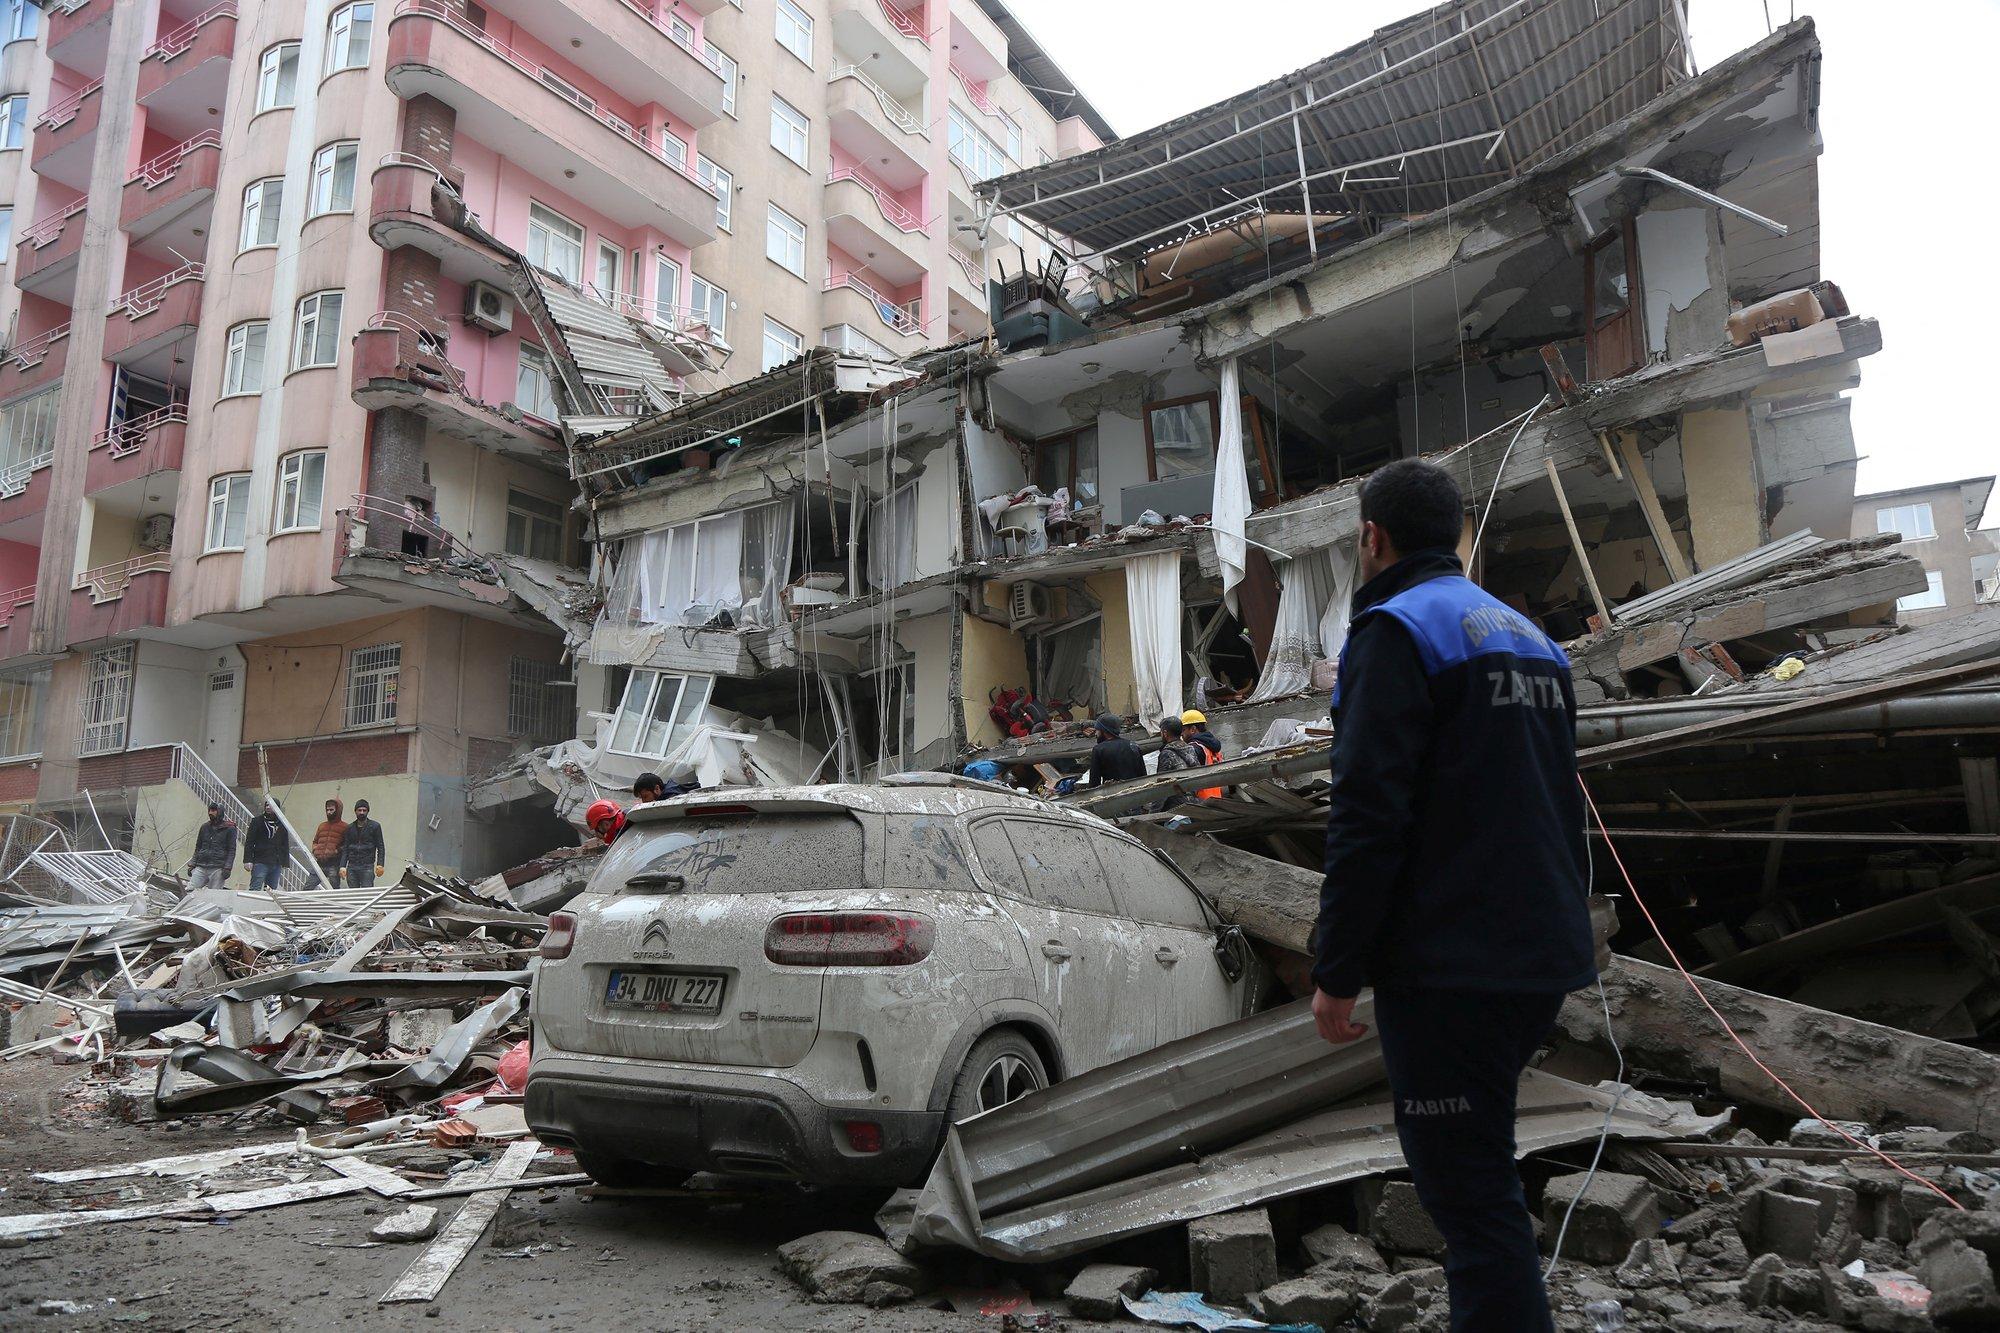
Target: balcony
[632,52]
[411,203]
[978,48]
[852,299]
[896,43]
[78,32]
[114,600]
[682,339]
[145,323]
[966,293]
[45,258]
[16,614]
[66,137]
[400,363]
[866,221]
[24,495]
[552,132]
[186,72]
[867,121]
[33,362]
[170,196]
[133,451]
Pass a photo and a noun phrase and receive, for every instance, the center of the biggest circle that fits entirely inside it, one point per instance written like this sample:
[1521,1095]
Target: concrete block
[852,1268]
[1336,1248]
[1232,1255]
[1323,1297]
[1401,1225]
[417,1222]
[1614,1212]
[1805,1221]
[1649,1264]
[1773,1284]
[418,1030]
[1963,1291]
[1099,1290]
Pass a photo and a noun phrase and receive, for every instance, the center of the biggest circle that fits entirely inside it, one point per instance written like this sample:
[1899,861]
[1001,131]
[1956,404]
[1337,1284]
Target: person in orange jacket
[1195,732]
[326,842]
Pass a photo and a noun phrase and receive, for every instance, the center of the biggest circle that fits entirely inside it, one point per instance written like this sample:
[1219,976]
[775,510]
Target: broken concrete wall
[1686,288]
[1725,504]
[1431,410]
[991,658]
[1121,686]
[1806,461]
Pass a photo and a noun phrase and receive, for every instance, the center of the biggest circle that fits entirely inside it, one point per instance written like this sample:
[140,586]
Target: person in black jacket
[1113,758]
[267,848]
[1456,879]
[214,851]
[361,849]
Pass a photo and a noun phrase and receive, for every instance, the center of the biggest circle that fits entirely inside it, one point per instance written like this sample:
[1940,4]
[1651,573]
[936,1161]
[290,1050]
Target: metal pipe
[1674,182]
[1603,724]
[1776,835]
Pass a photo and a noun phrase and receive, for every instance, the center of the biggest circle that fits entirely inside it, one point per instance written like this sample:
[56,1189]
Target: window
[727,65]
[535,710]
[107,700]
[1914,521]
[555,243]
[372,676]
[997,859]
[278,77]
[243,363]
[795,30]
[657,712]
[19,20]
[606,276]
[710,305]
[972,147]
[780,344]
[316,339]
[1056,861]
[534,526]
[534,387]
[1931,598]
[301,487]
[675,148]
[333,179]
[785,241]
[347,36]
[788,130]
[13,120]
[6,230]
[1180,437]
[722,183]
[262,201]
[28,431]
[1069,461]
[667,290]
[1013,132]
[23,691]
[228,511]
[1146,889]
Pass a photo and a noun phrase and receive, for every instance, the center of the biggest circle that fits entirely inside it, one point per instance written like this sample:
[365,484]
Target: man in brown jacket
[326,843]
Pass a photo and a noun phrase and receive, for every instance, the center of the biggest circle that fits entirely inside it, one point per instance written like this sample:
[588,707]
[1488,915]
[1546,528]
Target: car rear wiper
[670,883]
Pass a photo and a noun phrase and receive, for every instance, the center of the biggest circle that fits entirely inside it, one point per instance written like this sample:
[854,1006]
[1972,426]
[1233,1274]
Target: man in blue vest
[1456,879]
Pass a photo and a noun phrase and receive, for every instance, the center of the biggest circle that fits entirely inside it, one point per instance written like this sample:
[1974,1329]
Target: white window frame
[1932,598]
[263,201]
[551,228]
[532,372]
[107,700]
[713,306]
[25,690]
[533,522]
[374,680]
[785,240]
[23,21]
[7,230]
[340,47]
[667,290]
[641,695]
[535,711]
[327,194]
[228,502]
[13,120]
[731,74]
[309,329]
[722,182]
[606,250]
[28,429]
[271,77]
[794,31]
[973,148]
[791,130]
[777,338]
[301,478]
[236,377]
[1916,521]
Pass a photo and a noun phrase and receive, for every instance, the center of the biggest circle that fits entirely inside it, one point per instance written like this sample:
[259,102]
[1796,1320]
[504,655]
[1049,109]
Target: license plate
[665,992]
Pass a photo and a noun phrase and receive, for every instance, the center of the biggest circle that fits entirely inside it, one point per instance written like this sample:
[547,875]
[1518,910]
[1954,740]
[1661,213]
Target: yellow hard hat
[1192,716]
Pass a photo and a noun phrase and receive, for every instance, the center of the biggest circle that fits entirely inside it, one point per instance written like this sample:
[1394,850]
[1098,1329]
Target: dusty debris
[417,1222]
[851,1268]
[1231,1255]
[1099,1291]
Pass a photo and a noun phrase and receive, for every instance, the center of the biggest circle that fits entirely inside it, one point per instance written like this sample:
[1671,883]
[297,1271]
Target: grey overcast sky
[1903,86]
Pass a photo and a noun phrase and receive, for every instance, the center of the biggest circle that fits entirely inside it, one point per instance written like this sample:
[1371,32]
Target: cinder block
[1233,1254]
[1401,1225]
[1099,1290]
[1614,1212]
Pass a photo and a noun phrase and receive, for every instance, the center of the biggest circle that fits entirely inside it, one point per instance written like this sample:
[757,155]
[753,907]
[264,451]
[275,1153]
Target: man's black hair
[645,780]
[1171,726]
[1416,503]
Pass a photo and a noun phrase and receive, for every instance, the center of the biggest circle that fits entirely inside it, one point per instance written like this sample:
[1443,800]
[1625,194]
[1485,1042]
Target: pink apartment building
[275,398]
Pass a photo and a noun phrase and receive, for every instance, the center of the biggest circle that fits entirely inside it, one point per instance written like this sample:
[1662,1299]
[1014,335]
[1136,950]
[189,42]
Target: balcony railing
[181,38]
[13,600]
[429,342]
[107,583]
[160,169]
[975,89]
[128,437]
[684,41]
[898,216]
[63,112]
[30,353]
[904,24]
[66,6]
[443,544]
[145,298]
[555,82]
[14,477]
[679,318]
[51,227]
[898,317]
[904,119]
[970,269]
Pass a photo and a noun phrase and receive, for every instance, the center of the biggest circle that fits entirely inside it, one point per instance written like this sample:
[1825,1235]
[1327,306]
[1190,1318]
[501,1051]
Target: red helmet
[600,811]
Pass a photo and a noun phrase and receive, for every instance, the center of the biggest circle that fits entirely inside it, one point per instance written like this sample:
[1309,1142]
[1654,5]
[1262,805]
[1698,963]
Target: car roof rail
[936,779]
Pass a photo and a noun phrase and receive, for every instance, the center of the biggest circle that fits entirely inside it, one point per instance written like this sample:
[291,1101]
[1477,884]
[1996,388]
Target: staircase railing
[303,872]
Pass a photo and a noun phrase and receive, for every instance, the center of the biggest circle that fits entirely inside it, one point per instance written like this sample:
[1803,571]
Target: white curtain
[1153,604]
[773,530]
[1312,620]
[892,539]
[1230,508]
[682,575]
[718,569]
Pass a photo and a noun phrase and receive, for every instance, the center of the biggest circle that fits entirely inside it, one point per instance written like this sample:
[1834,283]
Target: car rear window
[759,853]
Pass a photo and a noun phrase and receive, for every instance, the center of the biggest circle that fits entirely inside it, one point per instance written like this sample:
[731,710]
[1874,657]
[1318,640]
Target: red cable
[1741,1045]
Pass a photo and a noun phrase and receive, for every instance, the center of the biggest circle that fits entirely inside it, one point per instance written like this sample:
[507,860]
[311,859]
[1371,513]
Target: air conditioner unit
[1026,603]
[157,533]
[490,307]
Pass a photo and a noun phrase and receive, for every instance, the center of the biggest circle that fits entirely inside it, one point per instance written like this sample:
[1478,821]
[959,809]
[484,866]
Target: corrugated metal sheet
[606,347]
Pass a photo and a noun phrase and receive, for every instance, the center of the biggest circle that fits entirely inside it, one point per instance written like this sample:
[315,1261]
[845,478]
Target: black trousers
[1455,1060]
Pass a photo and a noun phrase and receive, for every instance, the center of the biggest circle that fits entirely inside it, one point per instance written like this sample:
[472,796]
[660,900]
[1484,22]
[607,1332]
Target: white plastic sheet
[1153,605]
[1229,510]
[892,539]
[1311,622]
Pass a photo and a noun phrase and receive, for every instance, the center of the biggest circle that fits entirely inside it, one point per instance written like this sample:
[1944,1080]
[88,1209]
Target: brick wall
[410,286]
[327,759]
[134,768]
[18,782]
[430,129]
[398,471]
[483,755]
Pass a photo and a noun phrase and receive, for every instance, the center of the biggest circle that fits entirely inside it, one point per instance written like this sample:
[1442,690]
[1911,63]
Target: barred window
[107,700]
[372,677]
[535,711]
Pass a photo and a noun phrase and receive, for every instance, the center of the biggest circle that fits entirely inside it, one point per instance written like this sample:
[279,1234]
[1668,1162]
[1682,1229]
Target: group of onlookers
[354,849]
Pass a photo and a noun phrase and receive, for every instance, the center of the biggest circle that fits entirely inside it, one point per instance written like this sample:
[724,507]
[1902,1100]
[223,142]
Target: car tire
[620,1173]
[1000,1067]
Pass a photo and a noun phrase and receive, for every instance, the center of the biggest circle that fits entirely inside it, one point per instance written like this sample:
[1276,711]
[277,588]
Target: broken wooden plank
[425,1278]
[1649,505]
[372,1175]
[182,1164]
[1885,921]
[1577,547]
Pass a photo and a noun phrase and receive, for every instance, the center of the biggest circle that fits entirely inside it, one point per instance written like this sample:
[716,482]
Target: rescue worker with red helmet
[606,819]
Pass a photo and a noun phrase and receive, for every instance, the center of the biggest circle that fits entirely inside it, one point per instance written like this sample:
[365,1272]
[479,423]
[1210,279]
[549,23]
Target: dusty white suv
[811,982]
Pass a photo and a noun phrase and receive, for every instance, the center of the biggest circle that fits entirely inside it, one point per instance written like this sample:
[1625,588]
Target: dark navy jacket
[1454,845]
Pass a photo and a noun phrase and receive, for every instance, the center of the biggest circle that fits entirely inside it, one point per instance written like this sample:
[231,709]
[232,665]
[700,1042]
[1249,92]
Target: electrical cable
[1499,472]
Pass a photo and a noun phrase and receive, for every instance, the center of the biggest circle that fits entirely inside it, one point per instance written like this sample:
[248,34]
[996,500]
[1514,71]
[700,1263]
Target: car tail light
[847,939]
[561,935]
[864,1136]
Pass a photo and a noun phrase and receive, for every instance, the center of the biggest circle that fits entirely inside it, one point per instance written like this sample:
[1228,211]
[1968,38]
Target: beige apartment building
[280,412]
[1939,524]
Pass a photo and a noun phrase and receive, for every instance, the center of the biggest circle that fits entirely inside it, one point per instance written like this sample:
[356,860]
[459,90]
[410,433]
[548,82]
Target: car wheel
[622,1174]
[1001,1067]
